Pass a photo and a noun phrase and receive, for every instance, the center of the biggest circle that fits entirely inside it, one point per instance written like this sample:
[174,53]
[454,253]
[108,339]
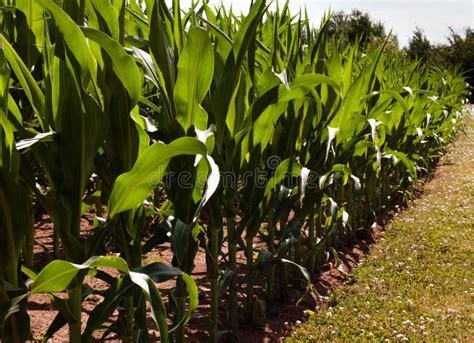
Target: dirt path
[418,282]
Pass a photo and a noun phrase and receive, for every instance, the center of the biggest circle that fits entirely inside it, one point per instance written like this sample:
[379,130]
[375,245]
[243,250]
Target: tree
[419,47]
[458,52]
[461,53]
[358,25]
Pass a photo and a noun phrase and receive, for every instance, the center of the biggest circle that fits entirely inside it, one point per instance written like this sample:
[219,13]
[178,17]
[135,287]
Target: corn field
[255,137]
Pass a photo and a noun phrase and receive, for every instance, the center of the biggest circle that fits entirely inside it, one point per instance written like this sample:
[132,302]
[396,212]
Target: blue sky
[402,16]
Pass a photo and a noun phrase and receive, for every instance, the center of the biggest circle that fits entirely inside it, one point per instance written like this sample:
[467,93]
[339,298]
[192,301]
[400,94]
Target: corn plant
[105,105]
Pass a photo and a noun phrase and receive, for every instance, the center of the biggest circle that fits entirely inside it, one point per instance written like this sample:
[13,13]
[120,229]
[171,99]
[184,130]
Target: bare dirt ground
[281,317]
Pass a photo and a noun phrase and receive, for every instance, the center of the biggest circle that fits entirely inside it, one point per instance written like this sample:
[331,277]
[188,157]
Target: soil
[278,322]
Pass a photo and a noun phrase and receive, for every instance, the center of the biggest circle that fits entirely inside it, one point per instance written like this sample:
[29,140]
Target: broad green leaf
[193,300]
[233,64]
[28,83]
[31,42]
[4,102]
[71,34]
[118,291]
[15,223]
[398,156]
[162,52]
[55,277]
[130,189]
[122,288]
[287,168]
[108,14]
[195,74]
[158,310]
[123,64]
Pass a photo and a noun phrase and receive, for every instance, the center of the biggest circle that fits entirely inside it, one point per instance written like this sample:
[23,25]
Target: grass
[418,282]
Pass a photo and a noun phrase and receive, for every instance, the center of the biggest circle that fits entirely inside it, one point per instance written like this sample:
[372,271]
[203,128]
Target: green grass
[418,282]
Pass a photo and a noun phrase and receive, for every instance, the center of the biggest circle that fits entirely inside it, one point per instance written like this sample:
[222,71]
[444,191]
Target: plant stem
[271,249]
[311,243]
[233,305]
[249,306]
[82,12]
[283,270]
[180,308]
[214,278]
[28,248]
[75,305]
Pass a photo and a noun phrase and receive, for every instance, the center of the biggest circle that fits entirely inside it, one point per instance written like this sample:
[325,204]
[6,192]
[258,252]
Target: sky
[403,16]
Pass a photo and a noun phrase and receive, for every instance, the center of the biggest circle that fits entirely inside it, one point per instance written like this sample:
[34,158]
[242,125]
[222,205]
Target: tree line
[458,51]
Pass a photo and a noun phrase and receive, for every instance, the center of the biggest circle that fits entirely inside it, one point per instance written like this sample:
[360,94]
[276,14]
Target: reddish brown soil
[281,317]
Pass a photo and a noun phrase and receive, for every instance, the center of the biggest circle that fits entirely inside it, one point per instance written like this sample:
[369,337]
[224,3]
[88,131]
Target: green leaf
[124,65]
[28,83]
[30,39]
[233,65]
[193,301]
[55,277]
[122,288]
[16,220]
[71,34]
[107,12]
[195,74]
[287,168]
[158,310]
[130,189]
[163,55]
